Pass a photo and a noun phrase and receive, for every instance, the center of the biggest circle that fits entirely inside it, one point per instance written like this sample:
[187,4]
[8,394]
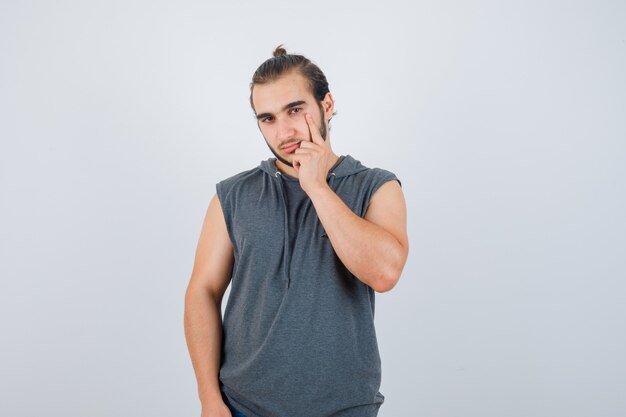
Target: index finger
[316,136]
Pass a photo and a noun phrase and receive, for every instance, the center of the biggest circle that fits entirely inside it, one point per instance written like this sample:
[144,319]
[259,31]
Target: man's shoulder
[244,181]
[358,171]
[242,176]
[376,171]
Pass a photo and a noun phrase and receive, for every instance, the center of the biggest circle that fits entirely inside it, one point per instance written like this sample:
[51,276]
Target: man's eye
[266,119]
[296,110]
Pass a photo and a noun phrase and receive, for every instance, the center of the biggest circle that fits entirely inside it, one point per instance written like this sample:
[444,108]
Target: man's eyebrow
[286,107]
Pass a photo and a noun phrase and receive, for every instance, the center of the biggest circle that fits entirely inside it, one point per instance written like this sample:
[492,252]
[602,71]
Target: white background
[505,121]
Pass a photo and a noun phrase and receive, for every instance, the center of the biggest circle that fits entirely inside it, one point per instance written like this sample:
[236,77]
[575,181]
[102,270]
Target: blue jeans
[236,413]
[233,410]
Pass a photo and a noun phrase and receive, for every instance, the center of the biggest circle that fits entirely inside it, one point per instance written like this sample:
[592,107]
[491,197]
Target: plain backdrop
[505,121]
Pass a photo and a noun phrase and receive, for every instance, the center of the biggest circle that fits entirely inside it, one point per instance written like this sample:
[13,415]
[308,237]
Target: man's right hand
[216,409]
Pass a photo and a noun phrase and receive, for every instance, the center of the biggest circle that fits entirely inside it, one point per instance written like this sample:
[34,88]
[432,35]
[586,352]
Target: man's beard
[323,133]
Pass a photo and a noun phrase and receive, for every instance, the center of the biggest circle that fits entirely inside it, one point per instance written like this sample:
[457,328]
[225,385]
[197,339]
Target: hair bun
[280,50]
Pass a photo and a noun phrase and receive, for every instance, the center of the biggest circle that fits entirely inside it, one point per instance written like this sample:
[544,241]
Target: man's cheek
[304,128]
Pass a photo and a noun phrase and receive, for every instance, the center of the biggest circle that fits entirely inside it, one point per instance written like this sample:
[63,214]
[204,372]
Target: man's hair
[282,63]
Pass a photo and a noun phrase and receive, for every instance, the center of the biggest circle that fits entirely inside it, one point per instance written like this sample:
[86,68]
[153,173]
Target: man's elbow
[387,281]
[389,277]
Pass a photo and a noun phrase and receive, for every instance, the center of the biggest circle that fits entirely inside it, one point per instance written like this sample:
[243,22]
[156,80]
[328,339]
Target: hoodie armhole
[226,211]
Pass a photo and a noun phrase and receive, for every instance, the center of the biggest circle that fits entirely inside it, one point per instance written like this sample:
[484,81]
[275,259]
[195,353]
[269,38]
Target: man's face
[280,107]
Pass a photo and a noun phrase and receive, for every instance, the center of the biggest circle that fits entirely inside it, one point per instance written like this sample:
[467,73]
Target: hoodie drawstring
[287,243]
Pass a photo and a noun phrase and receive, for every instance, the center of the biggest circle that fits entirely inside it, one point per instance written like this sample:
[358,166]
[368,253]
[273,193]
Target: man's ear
[328,104]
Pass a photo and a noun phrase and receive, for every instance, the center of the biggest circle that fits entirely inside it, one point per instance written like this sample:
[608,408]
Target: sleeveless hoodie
[298,329]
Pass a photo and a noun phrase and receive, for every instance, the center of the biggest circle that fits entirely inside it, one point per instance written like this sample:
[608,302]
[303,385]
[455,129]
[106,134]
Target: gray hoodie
[298,329]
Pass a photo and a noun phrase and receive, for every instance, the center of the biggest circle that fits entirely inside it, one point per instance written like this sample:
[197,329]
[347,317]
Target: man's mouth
[290,148]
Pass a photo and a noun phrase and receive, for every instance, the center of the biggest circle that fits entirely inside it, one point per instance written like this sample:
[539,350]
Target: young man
[305,240]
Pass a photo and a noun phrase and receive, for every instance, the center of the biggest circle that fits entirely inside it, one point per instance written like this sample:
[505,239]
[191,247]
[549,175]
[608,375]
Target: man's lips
[291,148]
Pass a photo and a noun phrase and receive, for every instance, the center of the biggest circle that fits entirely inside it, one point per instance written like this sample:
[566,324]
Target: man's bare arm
[373,248]
[203,314]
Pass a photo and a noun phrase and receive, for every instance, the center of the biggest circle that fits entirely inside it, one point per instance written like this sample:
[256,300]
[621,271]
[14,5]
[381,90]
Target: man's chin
[285,161]
[280,158]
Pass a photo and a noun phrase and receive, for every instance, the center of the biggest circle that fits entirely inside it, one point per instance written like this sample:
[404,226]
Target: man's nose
[285,130]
